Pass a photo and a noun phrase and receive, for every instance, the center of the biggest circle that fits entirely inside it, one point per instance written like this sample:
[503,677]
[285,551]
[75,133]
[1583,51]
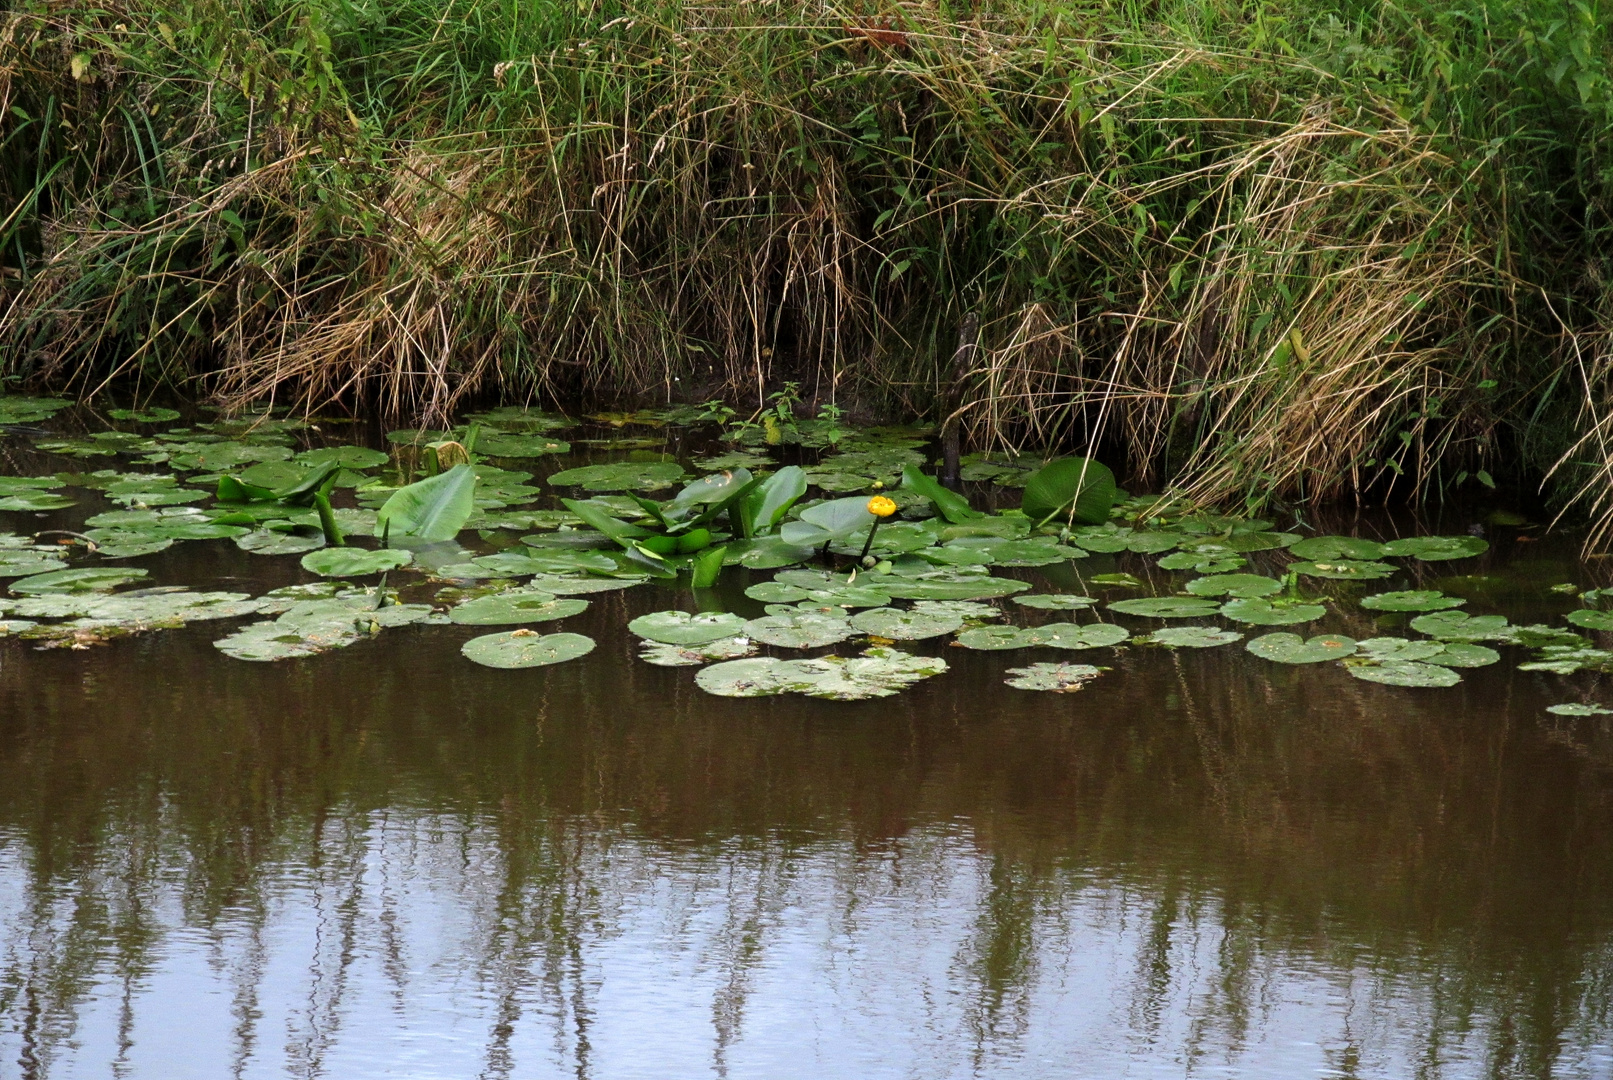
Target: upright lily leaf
[432,509]
[1079,489]
[952,506]
[765,505]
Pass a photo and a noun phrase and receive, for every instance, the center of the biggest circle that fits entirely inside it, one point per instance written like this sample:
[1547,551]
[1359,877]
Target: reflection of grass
[1293,247]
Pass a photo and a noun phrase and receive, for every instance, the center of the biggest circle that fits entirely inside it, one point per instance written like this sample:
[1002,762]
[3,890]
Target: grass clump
[1286,248]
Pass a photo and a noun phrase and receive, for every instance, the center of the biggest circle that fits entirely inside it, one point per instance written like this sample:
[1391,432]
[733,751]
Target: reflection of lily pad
[1166,607]
[353,562]
[1193,637]
[1437,548]
[1071,636]
[525,649]
[1411,600]
[685,628]
[1335,548]
[905,625]
[1055,601]
[1343,569]
[84,579]
[803,630]
[509,608]
[1293,649]
[1263,612]
[1234,585]
[662,654]
[1055,678]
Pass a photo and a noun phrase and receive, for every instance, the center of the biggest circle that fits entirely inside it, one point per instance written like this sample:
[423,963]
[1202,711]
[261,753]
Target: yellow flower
[880,506]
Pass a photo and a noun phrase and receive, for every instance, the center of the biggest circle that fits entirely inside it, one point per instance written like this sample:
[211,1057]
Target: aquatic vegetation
[508,608]
[1166,607]
[799,630]
[1055,601]
[686,628]
[1283,648]
[1240,586]
[1193,637]
[878,672]
[1343,570]
[662,654]
[1578,709]
[526,648]
[354,562]
[312,626]
[898,625]
[1266,612]
[1437,548]
[1053,678]
[1411,600]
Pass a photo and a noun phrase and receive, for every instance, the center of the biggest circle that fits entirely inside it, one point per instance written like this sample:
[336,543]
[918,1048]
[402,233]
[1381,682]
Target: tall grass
[1276,248]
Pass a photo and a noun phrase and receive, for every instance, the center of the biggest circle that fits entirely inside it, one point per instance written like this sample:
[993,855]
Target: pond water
[389,861]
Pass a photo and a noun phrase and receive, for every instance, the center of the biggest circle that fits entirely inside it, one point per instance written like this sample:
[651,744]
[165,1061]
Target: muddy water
[388,862]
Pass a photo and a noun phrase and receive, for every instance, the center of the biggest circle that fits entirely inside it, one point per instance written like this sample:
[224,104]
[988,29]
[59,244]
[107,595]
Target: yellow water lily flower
[881,506]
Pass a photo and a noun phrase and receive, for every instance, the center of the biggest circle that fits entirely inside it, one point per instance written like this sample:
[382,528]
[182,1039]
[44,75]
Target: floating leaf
[993,638]
[620,476]
[510,608]
[28,564]
[1591,619]
[1166,607]
[1567,659]
[877,672]
[1202,563]
[1234,585]
[1337,548]
[1054,678]
[968,610]
[348,457]
[1577,709]
[1055,601]
[156,415]
[498,444]
[946,587]
[662,654]
[684,628]
[1070,636]
[95,578]
[268,542]
[905,625]
[850,596]
[802,630]
[1343,570]
[1193,637]
[1385,649]
[1404,673]
[35,501]
[1411,600]
[1125,581]
[310,627]
[1437,548]
[1465,655]
[1293,649]
[1460,626]
[572,586]
[525,649]
[354,562]
[1262,612]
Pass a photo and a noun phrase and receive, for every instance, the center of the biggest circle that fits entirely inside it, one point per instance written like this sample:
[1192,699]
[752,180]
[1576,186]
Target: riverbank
[1298,249]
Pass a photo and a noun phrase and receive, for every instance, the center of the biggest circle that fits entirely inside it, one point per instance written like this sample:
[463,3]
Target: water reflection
[389,862]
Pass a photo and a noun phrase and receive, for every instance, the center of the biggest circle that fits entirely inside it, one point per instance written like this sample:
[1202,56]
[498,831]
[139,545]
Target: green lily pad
[1567,659]
[1411,600]
[120,545]
[269,542]
[993,638]
[1398,649]
[850,596]
[312,626]
[1591,619]
[35,501]
[967,610]
[510,608]
[28,564]
[519,446]
[1193,637]
[1166,607]
[1460,626]
[136,611]
[684,628]
[905,625]
[946,587]
[620,476]
[1404,673]
[1437,548]
[562,585]
[24,485]
[83,579]
[354,562]
[877,672]
[1337,548]
[17,409]
[1055,601]
[1343,570]
[1578,709]
[14,627]
[154,415]
[1263,612]
[1234,585]
[1071,636]
[802,630]
[1123,581]
[1462,654]
[662,654]
[1053,678]
[1292,649]
[348,457]
[1204,564]
[525,649]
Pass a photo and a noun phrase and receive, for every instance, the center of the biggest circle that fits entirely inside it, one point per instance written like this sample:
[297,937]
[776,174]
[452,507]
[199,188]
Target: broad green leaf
[1293,649]
[432,509]
[1335,548]
[526,649]
[511,608]
[1263,612]
[1076,489]
[1166,607]
[1071,636]
[1053,678]
[1193,637]
[684,628]
[1241,586]
[901,625]
[354,562]
[952,506]
[1437,548]
[1411,600]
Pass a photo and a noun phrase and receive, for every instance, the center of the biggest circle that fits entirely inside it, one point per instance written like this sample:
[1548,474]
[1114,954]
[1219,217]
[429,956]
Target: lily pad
[851,596]
[562,585]
[28,564]
[1411,600]
[967,610]
[309,627]
[1579,709]
[1293,649]
[684,628]
[877,672]
[1193,637]
[520,446]
[1202,563]
[900,625]
[269,542]
[946,587]
[83,579]
[1262,612]
[1462,654]
[35,501]
[1234,585]
[348,457]
[1054,678]
[1460,626]
[510,608]
[1591,619]
[525,649]
[1437,548]
[620,476]
[1055,601]
[803,630]
[1567,659]
[354,562]
[1404,673]
[993,638]
[1337,548]
[662,654]
[154,415]
[1072,636]
[1398,649]
[1343,570]
[1166,607]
